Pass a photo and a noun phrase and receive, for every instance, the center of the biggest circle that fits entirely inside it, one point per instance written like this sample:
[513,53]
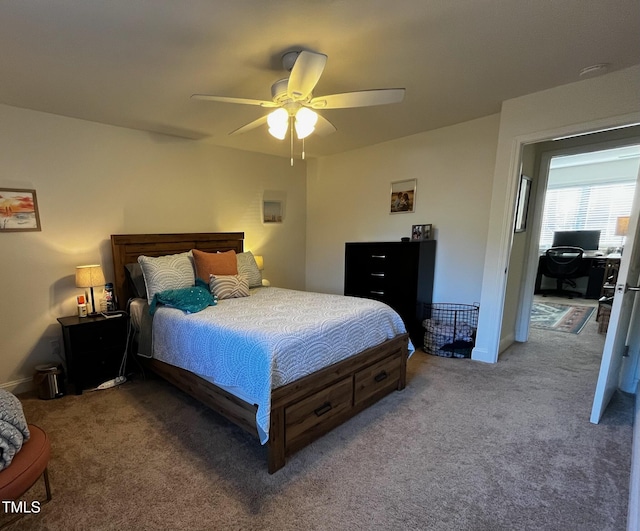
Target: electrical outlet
[55,347]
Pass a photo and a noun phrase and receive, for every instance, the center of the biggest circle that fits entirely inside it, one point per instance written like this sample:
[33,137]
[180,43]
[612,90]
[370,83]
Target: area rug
[560,317]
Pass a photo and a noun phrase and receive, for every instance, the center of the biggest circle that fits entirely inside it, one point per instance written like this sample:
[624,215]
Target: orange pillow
[214,264]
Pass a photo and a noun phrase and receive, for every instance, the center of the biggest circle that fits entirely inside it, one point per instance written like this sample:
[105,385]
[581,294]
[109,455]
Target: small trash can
[49,381]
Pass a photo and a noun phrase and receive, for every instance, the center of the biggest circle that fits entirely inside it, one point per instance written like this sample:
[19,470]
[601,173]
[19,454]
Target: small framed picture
[421,232]
[18,210]
[522,207]
[403,196]
[272,211]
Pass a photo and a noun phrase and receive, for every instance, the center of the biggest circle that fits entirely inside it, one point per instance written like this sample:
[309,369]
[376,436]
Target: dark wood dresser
[399,274]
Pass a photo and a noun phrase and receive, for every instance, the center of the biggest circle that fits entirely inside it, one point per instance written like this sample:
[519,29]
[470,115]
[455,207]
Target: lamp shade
[89,276]
[259,261]
[622,225]
[278,122]
[305,122]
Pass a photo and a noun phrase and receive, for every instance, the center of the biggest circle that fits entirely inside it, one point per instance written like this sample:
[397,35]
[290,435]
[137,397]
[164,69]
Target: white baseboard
[23,385]
[482,354]
[633,514]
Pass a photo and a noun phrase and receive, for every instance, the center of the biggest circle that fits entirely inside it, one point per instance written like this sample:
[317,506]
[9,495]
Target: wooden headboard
[127,247]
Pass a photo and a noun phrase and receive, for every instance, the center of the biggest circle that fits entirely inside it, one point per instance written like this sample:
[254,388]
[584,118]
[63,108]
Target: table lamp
[90,276]
[622,227]
[260,264]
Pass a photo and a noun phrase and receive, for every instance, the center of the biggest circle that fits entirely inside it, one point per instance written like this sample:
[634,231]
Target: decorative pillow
[172,271]
[229,286]
[136,280]
[214,263]
[248,267]
[190,300]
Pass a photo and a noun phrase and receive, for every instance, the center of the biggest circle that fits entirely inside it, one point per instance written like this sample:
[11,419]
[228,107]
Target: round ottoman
[26,467]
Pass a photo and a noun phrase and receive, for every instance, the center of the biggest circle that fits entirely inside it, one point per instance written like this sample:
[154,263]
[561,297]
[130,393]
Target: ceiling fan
[294,101]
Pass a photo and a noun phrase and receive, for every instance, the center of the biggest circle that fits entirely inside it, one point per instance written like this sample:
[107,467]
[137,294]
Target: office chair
[564,264]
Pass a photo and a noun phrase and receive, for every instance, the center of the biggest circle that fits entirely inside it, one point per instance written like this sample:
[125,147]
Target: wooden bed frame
[301,411]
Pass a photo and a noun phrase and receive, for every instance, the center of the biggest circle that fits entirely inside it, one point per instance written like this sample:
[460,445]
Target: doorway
[536,162]
[588,199]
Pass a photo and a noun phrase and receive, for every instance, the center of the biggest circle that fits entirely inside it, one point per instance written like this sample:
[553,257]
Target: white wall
[593,104]
[349,199]
[94,180]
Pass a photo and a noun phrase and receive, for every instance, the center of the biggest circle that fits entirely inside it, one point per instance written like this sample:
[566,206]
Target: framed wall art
[522,206]
[272,211]
[18,210]
[403,196]
[421,232]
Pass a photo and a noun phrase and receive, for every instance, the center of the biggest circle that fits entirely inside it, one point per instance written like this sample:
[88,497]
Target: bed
[299,411]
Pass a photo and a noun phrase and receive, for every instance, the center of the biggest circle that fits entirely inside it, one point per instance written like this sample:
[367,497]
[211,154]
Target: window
[593,207]
[589,191]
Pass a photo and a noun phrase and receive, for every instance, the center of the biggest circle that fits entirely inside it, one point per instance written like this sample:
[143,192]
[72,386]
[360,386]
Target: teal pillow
[190,300]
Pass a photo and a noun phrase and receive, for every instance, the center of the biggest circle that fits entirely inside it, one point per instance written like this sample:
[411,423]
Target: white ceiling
[135,63]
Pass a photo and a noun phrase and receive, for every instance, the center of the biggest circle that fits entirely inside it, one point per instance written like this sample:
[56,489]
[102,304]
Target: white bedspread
[275,336]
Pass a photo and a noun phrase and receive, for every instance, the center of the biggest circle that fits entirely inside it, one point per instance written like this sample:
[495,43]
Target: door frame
[494,283]
[590,143]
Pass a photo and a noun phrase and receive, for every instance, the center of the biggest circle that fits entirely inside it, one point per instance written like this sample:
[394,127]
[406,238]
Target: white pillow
[172,271]
[229,286]
[248,267]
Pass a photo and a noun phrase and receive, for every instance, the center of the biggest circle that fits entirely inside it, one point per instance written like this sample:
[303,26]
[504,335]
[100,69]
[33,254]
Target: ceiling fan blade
[249,126]
[361,98]
[324,127]
[305,74]
[225,99]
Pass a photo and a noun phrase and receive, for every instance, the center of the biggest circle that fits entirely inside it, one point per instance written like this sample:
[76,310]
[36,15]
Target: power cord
[121,378]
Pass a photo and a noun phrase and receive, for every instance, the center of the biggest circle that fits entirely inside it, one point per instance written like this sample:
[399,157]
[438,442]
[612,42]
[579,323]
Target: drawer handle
[378,256]
[381,376]
[377,292]
[324,408]
[377,274]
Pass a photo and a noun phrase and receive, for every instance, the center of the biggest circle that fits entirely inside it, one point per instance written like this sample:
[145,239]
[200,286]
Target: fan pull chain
[303,149]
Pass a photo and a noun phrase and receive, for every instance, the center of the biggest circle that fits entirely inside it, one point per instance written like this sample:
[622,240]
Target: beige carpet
[466,446]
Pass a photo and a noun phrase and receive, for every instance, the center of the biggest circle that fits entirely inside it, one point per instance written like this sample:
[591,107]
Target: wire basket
[449,329]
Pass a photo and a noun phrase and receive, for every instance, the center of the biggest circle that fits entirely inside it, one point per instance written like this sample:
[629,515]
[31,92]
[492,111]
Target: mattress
[251,345]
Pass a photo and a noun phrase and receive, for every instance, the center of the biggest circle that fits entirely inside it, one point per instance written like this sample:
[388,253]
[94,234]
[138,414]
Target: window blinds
[592,207]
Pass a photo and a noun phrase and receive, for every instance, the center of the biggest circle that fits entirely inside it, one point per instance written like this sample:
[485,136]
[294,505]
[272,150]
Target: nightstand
[94,348]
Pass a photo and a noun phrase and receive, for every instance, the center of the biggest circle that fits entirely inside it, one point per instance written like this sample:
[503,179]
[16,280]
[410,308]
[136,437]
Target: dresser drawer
[99,366]
[377,378]
[103,335]
[381,269]
[318,408]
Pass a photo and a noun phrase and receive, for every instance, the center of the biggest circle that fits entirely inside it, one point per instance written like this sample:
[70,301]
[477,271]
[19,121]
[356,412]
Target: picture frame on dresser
[421,233]
[403,196]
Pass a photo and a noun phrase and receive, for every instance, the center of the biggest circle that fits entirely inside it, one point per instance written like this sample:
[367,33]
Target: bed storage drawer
[318,408]
[377,379]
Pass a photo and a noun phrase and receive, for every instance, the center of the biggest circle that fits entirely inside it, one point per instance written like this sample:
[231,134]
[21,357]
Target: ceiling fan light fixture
[278,122]
[278,133]
[294,102]
[306,121]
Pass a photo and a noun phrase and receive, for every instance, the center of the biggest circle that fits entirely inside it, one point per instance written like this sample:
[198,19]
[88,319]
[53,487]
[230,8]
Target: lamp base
[93,312]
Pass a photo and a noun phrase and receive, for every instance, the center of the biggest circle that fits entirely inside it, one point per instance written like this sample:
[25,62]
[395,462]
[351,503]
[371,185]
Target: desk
[592,268]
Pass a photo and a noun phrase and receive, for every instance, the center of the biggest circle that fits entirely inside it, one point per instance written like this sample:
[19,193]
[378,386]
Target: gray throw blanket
[13,428]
